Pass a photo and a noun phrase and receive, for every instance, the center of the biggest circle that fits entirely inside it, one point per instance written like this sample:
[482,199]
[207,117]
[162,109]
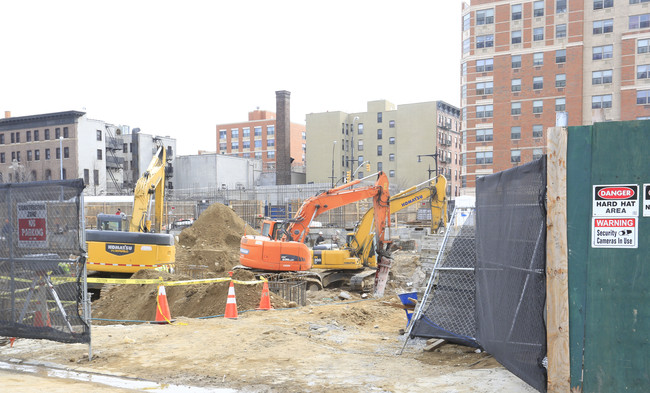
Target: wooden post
[557,284]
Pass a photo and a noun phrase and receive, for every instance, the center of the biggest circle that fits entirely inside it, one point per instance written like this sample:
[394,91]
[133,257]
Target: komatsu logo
[417,198]
[120,249]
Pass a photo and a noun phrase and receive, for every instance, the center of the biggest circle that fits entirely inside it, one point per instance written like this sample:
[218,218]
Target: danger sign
[620,232]
[616,201]
[646,200]
[32,225]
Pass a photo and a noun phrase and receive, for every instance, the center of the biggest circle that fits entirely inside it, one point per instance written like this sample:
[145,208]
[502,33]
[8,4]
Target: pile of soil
[212,241]
[138,302]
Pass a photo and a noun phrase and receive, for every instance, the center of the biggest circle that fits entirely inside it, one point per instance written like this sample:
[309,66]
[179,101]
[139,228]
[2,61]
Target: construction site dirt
[329,345]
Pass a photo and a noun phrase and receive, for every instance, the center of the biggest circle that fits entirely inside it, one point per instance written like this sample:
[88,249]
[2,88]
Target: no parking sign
[32,225]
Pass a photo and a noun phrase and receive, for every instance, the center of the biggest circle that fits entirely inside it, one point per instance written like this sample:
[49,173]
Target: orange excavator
[281,247]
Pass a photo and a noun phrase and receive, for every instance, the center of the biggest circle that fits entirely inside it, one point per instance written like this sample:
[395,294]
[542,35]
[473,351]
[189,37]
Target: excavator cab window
[266,229]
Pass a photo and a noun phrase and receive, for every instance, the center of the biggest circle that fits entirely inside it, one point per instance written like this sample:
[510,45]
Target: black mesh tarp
[42,271]
[510,269]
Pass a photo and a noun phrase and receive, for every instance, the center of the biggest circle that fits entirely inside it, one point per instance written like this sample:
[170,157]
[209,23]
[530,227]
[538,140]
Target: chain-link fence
[447,308]
[42,268]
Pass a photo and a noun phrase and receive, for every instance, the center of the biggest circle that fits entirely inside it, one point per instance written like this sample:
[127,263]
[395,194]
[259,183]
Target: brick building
[524,61]
[256,138]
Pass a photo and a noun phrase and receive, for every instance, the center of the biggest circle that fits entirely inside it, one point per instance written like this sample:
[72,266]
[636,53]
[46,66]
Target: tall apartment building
[255,138]
[524,61]
[390,138]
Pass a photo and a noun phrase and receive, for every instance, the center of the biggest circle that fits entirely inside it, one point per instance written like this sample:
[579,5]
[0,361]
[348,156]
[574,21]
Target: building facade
[255,139]
[408,142]
[525,61]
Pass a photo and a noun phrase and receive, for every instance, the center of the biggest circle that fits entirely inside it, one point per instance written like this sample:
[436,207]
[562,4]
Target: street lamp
[332,177]
[435,159]
[61,154]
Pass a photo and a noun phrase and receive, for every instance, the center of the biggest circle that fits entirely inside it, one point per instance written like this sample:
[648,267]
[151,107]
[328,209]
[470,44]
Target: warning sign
[646,200]
[620,232]
[616,201]
[32,225]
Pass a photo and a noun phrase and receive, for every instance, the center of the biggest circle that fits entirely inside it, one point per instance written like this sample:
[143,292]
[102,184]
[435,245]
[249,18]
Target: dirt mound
[212,241]
[138,302]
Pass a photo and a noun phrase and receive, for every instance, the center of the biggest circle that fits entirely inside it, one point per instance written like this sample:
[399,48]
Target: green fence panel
[609,288]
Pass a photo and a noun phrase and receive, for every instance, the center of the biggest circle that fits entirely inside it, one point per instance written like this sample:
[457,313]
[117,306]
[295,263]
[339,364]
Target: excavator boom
[152,182]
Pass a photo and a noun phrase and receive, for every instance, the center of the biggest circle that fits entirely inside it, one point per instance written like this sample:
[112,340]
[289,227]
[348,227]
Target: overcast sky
[179,68]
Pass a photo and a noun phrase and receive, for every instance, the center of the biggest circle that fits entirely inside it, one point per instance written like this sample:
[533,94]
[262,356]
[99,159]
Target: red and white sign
[32,224]
[618,200]
[618,232]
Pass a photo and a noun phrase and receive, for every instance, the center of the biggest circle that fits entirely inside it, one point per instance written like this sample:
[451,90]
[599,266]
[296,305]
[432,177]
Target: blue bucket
[404,298]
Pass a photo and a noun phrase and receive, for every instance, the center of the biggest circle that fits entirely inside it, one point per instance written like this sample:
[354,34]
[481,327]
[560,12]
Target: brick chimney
[7,114]
[282,138]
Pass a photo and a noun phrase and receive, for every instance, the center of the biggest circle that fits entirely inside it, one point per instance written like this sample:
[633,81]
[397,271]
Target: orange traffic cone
[231,304]
[162,307]
[265,301]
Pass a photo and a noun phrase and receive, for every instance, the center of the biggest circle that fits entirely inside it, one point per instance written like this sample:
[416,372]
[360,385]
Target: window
[538,106]
[258,143]
[379,132]
[2,139]
[99,153]
[360,145]
[484,65]
[643,46]
[515,108]
[47,154]
[643,97]
[258,155]
[37,155]
[57,133]
[466,46]
[360,128]
[36,137]
[639,21]
[515,132]
[46,135]
[270,130]
[538,59]
[257,130]
[391,157]
[560,6]
[223,146]
[516,61]
[515,85]
[538,82]
[603,26]
[515,37]
[29,155]
[13,156]
[538,8]
[380,117]
[234,145]
[484,88]
[222,134]
[485,17]
[270,142]
[538,131]
[391,173]
[65,132]
[484,111]
[515,11]
[600,4]
[246,144]
[18,137]
[466,22]
[560,80]
[538,34]
[463,91]
[484,157]
[99,135]
[246,132]
[485,41]
[601,77]
[538,153]
[515,156]
[96,176]
[602,52]
[560,104]
[560,56]
[28,136]
[379,150]
[484,135]
[380,166]
[2,158]
[66,152]
[603,101]
[270,154]
[234,133]
[637,2]
[642,71]
[391,124]
[560,31]
[360,161]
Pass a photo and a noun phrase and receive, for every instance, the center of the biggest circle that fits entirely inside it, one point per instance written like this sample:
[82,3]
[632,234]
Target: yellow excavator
[113,250]
[358,251]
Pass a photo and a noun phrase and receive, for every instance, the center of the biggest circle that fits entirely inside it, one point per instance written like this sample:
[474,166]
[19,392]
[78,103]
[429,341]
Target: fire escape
[114,163]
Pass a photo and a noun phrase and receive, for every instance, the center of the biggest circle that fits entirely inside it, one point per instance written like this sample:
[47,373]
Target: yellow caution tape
[152,281]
